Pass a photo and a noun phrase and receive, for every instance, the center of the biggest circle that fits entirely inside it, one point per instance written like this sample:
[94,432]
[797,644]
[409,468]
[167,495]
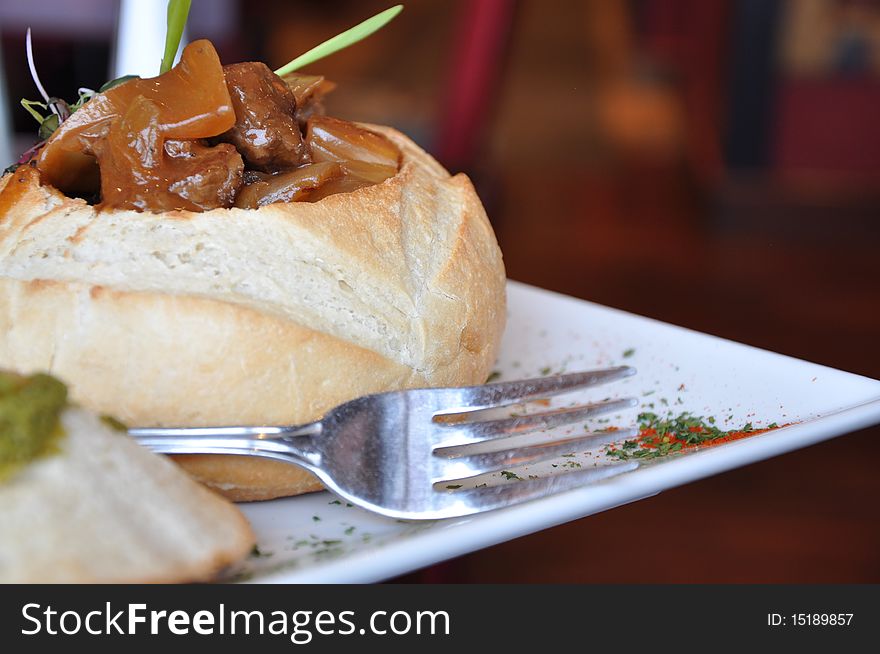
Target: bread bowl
[269,315]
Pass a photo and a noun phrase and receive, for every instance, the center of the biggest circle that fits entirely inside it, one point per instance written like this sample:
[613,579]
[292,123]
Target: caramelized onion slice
[344,184]
[357,175]
[331,139]
[372,173]
[192,103]
[296,185]
[310,183]
[306,88]
[309,91]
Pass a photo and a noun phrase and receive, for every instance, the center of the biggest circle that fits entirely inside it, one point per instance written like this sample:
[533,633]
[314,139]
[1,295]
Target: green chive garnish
[340,41]
[178,10]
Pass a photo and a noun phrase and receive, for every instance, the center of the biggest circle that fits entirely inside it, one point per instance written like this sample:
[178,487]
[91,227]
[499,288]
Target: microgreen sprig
[33,68]
[29,107]
[178,11]
[343,40]
[58,109]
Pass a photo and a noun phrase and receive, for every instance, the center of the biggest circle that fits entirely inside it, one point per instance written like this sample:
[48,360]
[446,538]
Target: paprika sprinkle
[659,437]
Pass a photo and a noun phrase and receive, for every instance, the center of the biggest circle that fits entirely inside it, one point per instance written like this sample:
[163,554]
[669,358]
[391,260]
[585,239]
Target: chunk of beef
[266,132]
[208,177]
[139,171]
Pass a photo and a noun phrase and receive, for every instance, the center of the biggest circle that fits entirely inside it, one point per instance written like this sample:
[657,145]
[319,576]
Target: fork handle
[287,431]
[291,444]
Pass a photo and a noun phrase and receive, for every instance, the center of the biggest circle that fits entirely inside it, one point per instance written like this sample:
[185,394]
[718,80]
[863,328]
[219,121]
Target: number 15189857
[809,619]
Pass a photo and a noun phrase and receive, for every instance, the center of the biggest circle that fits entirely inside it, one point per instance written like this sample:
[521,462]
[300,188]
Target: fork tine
[454,466]
[471,398]
[477,500]
[466,433]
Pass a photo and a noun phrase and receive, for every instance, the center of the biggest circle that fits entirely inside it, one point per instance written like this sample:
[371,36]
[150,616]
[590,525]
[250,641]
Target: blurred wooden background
[711,164]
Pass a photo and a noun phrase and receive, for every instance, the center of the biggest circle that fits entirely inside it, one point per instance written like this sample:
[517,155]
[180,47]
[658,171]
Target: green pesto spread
[30,408]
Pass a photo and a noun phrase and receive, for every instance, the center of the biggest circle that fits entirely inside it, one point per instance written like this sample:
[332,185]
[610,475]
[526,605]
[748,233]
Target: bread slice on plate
[102,509]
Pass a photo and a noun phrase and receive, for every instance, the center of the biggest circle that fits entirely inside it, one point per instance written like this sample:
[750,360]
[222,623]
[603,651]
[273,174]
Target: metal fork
[409,454]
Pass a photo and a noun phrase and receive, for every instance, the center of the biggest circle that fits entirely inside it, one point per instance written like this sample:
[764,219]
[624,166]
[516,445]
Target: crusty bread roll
[102,509]
[266,316]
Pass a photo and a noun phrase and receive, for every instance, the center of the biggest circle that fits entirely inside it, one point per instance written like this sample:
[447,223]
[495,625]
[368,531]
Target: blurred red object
[479,41]
[828,125]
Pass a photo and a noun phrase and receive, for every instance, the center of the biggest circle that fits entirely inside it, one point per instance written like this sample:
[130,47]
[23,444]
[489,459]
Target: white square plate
[316,538]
